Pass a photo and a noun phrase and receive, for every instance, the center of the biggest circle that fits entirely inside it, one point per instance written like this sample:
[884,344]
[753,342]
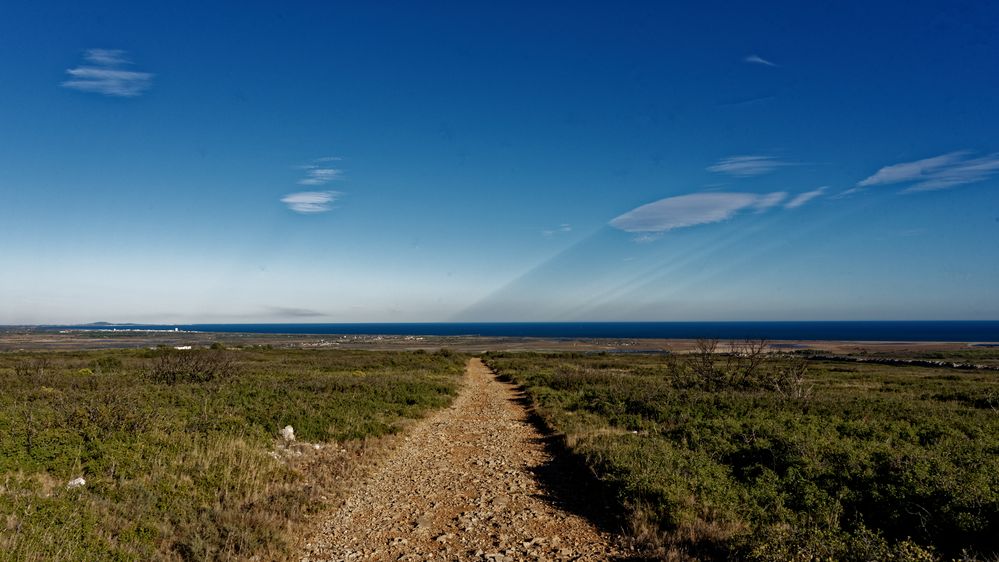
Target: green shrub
[175,445]
[723,457]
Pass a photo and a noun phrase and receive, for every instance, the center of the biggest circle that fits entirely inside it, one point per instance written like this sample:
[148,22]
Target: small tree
[748,358]
[703,363]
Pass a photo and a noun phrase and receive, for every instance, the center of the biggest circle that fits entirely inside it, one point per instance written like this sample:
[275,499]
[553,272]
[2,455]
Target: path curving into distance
[470,482]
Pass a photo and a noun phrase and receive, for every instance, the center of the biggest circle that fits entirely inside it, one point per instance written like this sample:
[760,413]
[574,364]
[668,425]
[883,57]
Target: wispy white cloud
[764,202]
[106,74]
[802,198]
[746,166]
[757,59]
[319,172]
[647,238]
[106,57]
[311,202]
[320,176]
[110,82]
[564,227]
[911,171]
[968,171]
[291,311]
[691,210]
[745,100]
[939,172]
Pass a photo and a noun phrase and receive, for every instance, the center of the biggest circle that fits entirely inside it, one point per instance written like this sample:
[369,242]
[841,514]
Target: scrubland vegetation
[181,451]
[759,456]
[987,356]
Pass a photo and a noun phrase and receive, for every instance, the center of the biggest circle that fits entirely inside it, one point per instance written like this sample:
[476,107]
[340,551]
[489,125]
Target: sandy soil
[471,482]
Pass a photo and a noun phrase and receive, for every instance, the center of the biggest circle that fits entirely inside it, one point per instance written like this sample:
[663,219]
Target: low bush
[720,456]
[179,448]
[171,366]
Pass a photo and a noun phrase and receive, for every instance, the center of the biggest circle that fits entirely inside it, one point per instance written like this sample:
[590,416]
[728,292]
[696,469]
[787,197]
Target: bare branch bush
[33,369]
[751,364]
[703,363]
[197,366]
[749,358]
[790,382]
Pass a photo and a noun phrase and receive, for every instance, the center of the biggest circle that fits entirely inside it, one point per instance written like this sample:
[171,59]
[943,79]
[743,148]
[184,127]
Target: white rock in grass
[288,433]
[76,483]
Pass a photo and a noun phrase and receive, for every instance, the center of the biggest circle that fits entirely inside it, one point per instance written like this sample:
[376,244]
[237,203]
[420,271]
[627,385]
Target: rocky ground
[473,482]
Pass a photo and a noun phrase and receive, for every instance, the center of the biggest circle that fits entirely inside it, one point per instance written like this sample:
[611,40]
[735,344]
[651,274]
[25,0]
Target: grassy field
[755,457]
[181,450]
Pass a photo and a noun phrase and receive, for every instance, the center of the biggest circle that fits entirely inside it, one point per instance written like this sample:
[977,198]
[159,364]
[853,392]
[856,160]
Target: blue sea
[958,331]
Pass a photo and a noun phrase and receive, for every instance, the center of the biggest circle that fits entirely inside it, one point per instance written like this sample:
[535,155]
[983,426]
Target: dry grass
[192,468]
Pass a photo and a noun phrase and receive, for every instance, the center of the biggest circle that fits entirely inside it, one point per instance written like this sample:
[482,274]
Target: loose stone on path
[462,487]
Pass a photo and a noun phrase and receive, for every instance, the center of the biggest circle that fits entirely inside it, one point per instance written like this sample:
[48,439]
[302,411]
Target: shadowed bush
[171,366]
[723,456]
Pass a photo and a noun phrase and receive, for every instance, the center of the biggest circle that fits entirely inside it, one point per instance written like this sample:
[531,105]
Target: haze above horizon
[251,162]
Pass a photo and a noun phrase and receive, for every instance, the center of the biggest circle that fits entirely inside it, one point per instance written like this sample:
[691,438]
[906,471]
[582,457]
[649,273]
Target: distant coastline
[984,331]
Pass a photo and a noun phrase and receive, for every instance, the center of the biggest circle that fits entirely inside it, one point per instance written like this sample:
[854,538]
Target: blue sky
[326,162]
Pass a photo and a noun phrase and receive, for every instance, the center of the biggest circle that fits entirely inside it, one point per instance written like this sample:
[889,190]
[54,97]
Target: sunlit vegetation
[181,450]
[988,356]
[757,456]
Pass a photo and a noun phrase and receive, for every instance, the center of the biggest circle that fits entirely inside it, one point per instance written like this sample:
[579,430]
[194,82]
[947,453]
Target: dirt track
[470,482]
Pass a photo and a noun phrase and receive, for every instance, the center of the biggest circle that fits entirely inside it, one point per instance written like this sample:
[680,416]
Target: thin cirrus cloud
[320,176]
[562,228]
[105,72]
[939,172]
[765,201]
[757,59]
[289,311]
[311,202]
[691,210]
[319,172]
[802,198]
[747,166]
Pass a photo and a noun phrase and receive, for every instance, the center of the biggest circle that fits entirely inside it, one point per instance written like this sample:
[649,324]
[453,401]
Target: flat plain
[654,450]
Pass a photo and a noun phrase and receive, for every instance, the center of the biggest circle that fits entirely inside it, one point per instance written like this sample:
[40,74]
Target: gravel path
[463,486]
